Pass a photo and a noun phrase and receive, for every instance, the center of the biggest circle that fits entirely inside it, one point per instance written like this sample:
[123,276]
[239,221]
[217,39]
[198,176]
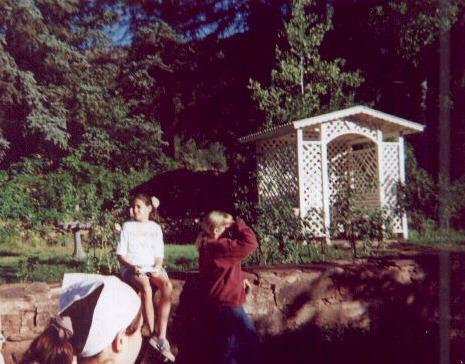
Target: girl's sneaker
[163,346]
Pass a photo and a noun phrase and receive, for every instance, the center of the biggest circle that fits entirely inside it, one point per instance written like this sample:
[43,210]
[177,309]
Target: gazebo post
[301,172]
[379,141]
[325,182]
[402,180]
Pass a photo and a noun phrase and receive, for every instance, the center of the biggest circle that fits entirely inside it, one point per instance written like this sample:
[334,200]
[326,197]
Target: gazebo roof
[386,122]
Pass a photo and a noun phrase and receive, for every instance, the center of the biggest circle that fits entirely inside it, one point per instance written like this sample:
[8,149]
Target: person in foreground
[2,340]
[222,245]
[99,321]
[140,252]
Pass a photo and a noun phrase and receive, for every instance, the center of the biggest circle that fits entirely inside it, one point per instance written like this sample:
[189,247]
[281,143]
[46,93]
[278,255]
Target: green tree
[425,31]
[60,89]
[42,61]
[151,75]
[303,82]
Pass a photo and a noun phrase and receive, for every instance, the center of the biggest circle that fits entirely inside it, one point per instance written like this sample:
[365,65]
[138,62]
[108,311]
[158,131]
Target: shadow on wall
[403,318]
[400,328]
[400,341]
[190,325]
[186,195]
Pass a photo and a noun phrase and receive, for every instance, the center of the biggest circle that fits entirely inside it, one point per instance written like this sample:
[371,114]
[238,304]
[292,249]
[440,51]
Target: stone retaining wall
[303,313]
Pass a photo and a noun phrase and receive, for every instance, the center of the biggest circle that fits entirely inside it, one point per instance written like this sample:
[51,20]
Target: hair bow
[155,201]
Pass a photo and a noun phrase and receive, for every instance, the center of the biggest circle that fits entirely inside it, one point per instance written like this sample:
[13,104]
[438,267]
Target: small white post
[379,140]
[401,152]
[325,182]
[301,172]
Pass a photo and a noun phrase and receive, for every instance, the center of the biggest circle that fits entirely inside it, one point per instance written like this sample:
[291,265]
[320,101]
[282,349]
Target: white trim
[325,183]
[345,132]
[402,180]
[301,172]
[408,126]
[358,110]
[379,142]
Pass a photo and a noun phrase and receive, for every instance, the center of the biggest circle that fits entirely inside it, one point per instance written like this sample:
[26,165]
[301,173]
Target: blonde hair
[211,220]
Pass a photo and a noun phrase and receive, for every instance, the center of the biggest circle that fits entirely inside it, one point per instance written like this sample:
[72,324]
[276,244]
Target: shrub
[35,192]
[419,197]
[353,221]
[182,230]
[195,158]
[280,232]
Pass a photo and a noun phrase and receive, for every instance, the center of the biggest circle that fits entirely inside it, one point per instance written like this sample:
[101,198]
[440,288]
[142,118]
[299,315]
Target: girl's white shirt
[141,242]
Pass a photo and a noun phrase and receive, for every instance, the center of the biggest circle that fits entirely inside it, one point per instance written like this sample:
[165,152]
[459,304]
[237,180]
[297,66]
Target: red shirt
[220,265]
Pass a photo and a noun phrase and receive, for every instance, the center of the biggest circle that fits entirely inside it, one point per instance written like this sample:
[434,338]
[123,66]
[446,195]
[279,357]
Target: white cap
[99,316]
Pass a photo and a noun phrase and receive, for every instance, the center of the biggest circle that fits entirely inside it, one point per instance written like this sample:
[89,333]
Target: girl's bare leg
[142,284]
[166,288]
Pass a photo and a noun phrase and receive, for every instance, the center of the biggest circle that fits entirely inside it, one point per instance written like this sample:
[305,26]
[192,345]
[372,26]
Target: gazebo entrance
[353,164]
[307,161]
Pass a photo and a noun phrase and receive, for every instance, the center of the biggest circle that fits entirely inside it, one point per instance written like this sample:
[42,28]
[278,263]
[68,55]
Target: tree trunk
[444,117]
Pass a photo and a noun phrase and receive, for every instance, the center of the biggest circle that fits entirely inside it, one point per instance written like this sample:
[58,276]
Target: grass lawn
[32,265]
[452,238]
[47,264]
[27,257]
[180,258]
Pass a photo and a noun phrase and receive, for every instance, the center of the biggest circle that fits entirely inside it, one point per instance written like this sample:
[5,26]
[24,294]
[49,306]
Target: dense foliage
[97,96]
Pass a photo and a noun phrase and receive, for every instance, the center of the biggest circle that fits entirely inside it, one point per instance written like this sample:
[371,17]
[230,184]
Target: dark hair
[49,348]
[154,216]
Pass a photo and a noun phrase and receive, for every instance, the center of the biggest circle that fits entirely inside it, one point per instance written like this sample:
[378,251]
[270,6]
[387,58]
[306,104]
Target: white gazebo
[304,161]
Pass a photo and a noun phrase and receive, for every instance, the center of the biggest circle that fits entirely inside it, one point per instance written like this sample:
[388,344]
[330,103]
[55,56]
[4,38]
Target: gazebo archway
[353,162]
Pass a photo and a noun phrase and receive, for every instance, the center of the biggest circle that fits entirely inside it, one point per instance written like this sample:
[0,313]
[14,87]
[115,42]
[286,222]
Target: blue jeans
[236,336]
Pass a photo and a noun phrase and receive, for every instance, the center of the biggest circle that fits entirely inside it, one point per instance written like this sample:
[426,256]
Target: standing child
[222,246]
[140,252]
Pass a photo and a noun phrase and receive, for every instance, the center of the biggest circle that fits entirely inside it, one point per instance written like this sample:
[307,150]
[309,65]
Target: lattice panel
[314,218]
[312,188]
[391,178]
[311,134]
[363,168]
[339,127]
[337,168]
[277,174]
[277,143]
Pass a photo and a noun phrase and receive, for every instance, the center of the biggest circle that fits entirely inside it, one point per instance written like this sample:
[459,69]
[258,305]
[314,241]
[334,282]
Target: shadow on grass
[33,268]
[8,274]
[67,261]
[4,253]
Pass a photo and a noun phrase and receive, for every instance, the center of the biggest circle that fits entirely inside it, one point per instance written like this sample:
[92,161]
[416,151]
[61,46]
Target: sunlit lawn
[39,261]
[27,258]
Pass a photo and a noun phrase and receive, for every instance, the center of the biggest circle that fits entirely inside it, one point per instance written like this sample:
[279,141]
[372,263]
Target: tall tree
[42,61]
[444,114]
[304,83]
[151,77]
[58,87]
[425,34]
